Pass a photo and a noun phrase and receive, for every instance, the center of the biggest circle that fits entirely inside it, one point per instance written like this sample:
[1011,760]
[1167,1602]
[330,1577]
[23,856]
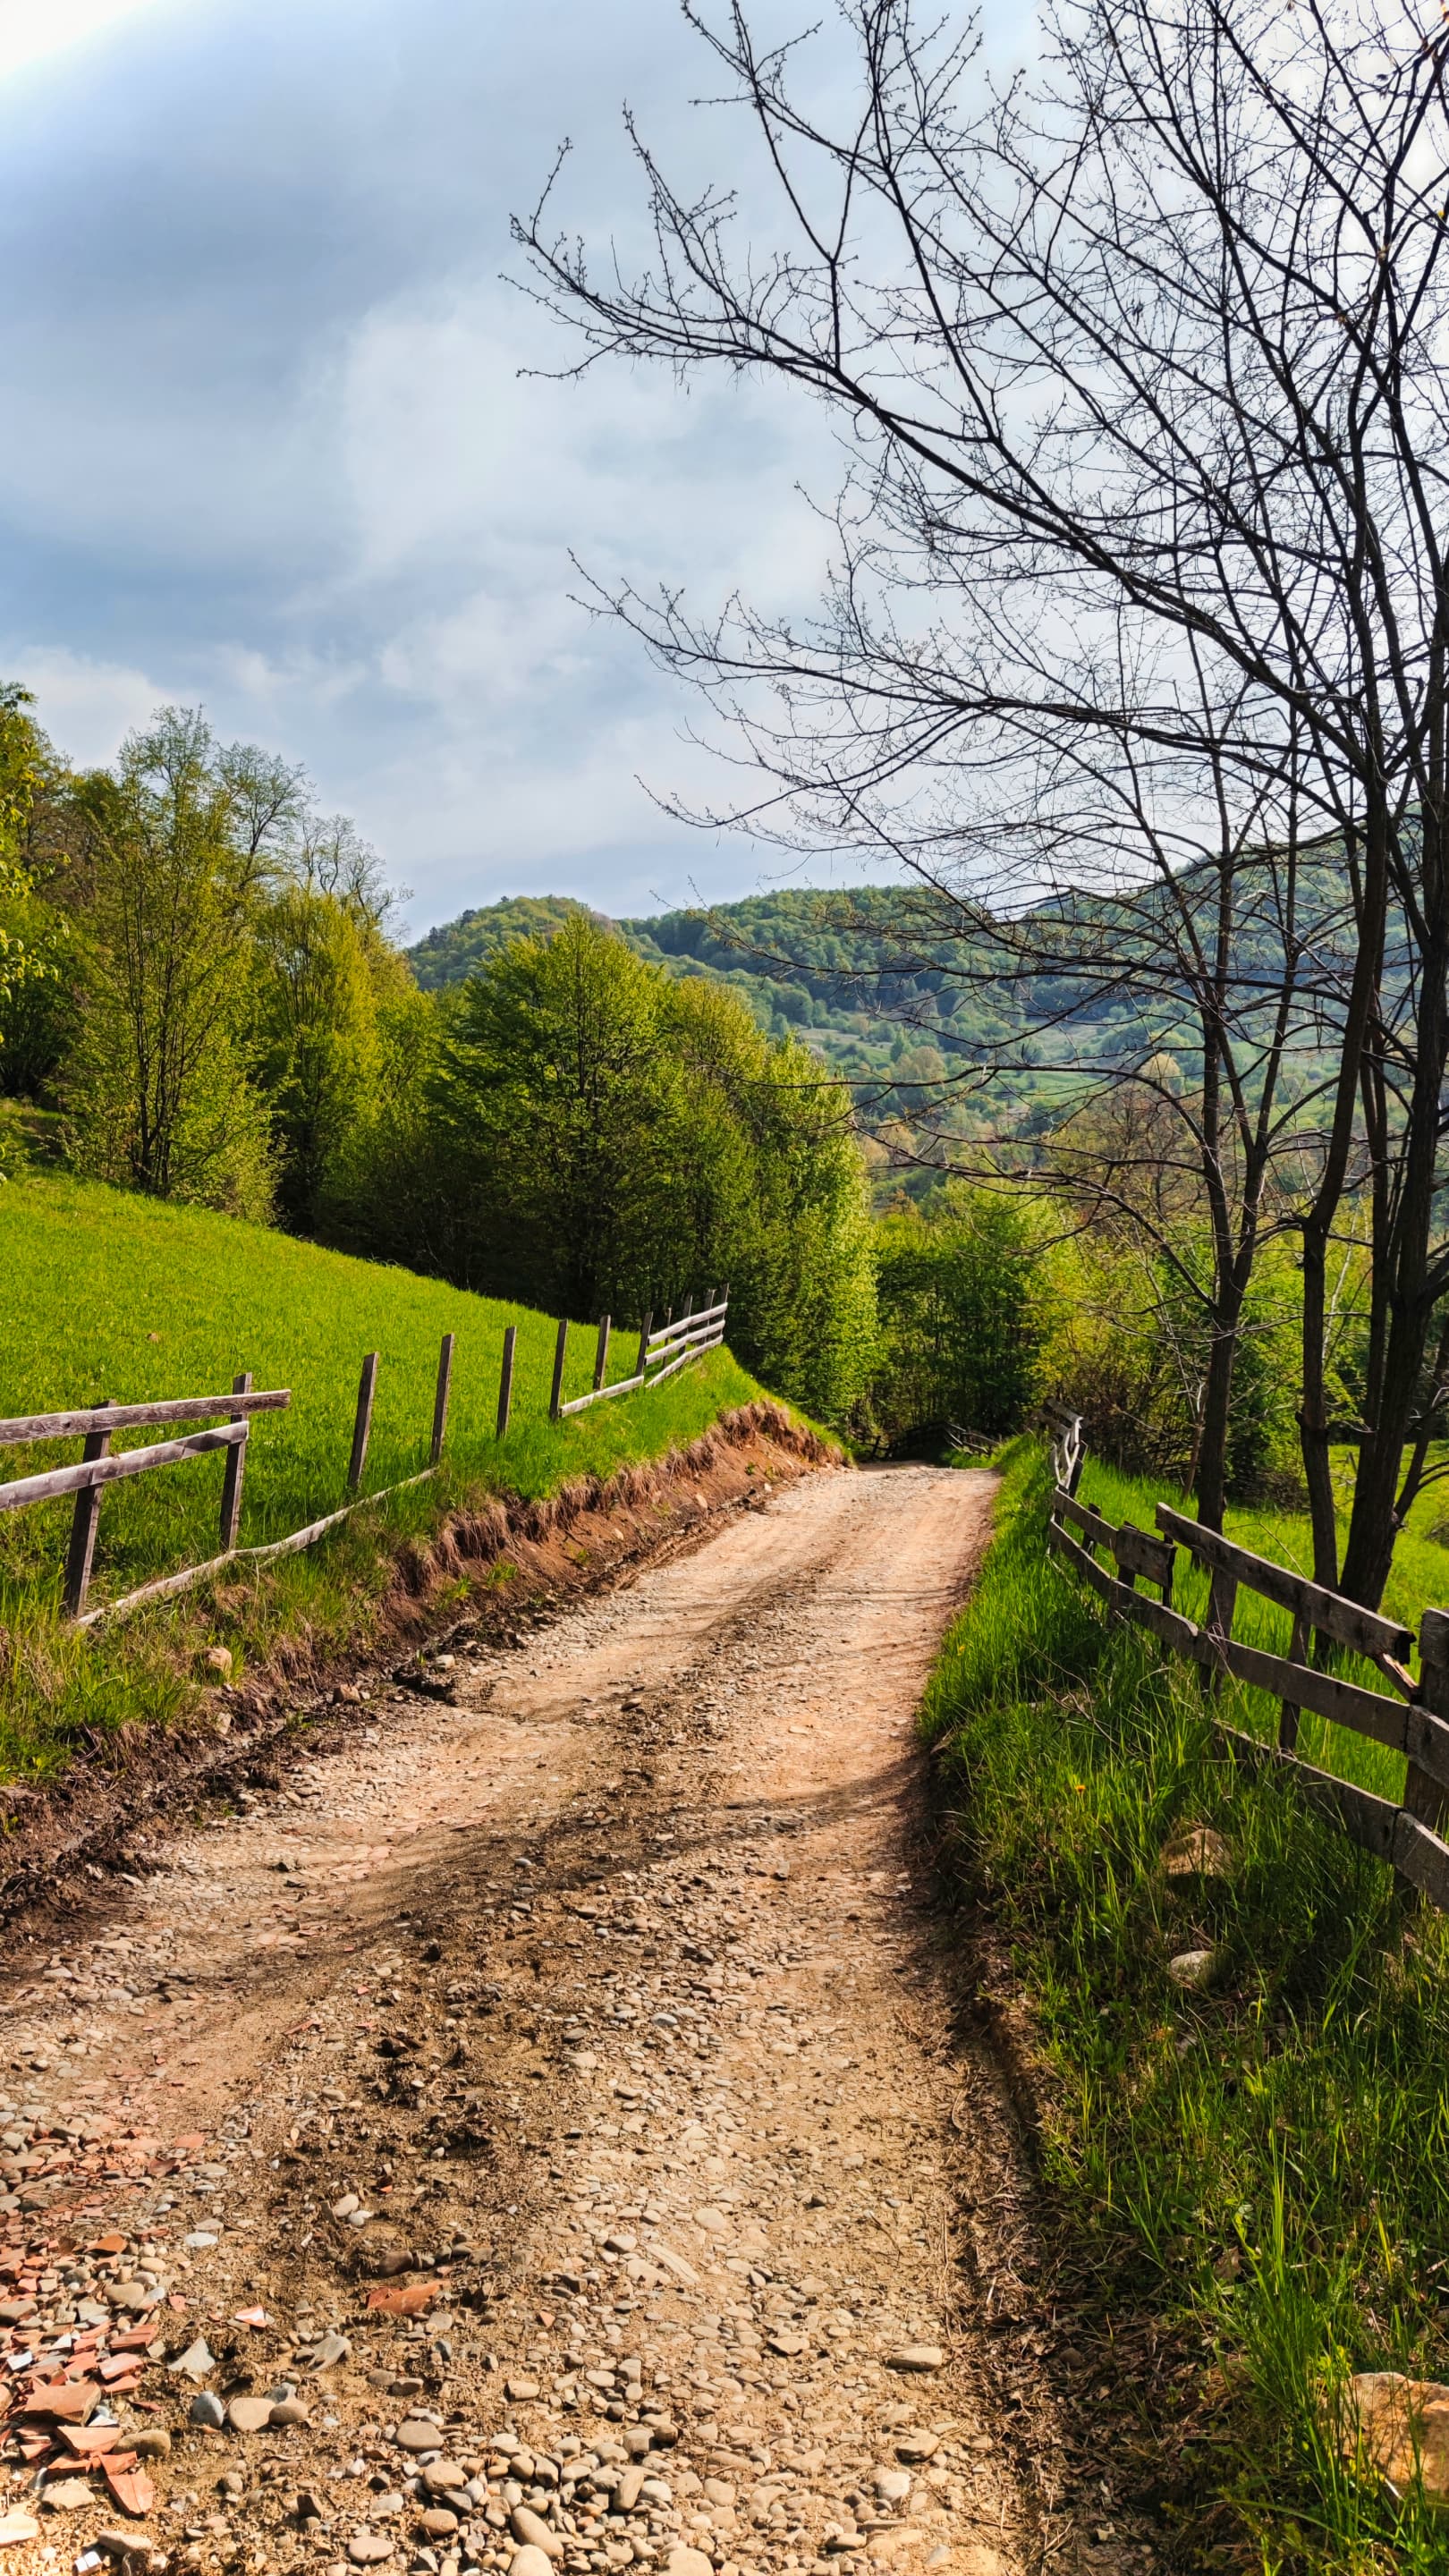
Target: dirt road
[559,2102]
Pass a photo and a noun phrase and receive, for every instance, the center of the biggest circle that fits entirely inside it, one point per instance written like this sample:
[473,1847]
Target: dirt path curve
[576,2027]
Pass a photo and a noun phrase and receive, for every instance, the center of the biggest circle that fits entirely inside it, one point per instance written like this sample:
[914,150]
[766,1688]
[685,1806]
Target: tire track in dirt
[566,2084]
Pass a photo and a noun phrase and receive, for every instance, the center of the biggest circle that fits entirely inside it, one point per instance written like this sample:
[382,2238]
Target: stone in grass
[1194,1970]
[1399,2429]
[1197,1852]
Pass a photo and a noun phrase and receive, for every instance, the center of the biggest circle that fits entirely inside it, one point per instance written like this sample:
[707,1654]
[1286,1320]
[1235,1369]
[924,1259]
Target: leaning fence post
[644,1343]
[505,1379]
[440,1400]
[686,1310]
[362,1427]
[560,1349]
[601,1355]
[81,1554]
[236,1467]
[1424,1797]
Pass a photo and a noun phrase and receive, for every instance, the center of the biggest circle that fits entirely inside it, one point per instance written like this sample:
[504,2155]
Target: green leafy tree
[322,973]
[158,1085]
[962,1295]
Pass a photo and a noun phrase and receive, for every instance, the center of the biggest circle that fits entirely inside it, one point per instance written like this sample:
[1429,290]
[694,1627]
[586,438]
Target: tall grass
[1266,2164]
[107,1295]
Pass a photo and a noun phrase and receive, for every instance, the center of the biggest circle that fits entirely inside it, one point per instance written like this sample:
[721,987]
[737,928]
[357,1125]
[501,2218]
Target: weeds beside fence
[1326,1629]
[1245,2179]
[663,1351]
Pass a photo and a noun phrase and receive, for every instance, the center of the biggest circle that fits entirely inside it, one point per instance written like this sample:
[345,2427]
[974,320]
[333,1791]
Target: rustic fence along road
[661,1353]
[672,1344]
[1413,1721]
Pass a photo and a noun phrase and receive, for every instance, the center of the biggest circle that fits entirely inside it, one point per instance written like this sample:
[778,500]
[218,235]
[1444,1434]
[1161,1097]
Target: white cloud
[85,706]
[30,30]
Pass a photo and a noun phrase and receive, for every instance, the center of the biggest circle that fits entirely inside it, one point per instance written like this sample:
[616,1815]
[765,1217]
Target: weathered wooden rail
[1411,1717]
[673,1344]
[661,1352]
[97,1425]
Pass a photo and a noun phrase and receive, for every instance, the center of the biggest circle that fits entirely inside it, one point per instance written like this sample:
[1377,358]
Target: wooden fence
[661,1353]
[1411,1716]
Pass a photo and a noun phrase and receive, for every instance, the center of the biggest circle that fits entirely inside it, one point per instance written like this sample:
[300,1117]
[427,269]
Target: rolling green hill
[111,1295]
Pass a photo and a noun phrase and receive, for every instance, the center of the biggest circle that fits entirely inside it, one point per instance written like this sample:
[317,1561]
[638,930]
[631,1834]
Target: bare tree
[1142,369]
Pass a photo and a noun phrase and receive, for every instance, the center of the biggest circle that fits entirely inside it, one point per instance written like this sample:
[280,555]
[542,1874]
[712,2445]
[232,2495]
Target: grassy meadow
[110,1295]
[1263,2167]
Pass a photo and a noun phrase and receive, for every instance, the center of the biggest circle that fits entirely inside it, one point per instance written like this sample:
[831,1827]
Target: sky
[267,442]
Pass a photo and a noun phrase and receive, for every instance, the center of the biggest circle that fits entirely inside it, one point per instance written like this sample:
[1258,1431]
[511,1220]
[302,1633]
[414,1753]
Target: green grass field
[1419,1581]
[1262,2168]
[112,1296]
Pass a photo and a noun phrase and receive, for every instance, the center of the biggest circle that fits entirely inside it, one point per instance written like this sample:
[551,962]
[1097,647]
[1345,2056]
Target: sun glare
[31,29]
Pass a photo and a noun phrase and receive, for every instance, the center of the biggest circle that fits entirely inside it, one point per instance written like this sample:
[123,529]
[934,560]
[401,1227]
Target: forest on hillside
[949,1161]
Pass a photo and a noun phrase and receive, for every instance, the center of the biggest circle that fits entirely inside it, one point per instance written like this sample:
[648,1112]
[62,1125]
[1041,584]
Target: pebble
[521,2391]
[248,2414]
[1194,1969]
[438,2523]
[917,2356]
[150,2442]
[917,2446]
[368,2548]
[892,2485]
[529,2561]
[686,2562]
[534,2532]
[206,2408]
[67,2495]
[196,2362]
[286,2412]
[626,2493]
[417,2434]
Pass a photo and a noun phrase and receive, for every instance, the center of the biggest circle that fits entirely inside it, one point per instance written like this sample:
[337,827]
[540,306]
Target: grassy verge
[1264,2167]
[107,1295]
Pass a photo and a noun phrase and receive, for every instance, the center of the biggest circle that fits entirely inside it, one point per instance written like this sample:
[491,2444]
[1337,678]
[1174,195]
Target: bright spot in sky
[31,29]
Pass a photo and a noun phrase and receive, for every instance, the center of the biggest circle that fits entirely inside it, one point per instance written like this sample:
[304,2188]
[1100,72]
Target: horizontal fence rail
[663,1349]
[1413,1721]
[24,1427]
[672,1344]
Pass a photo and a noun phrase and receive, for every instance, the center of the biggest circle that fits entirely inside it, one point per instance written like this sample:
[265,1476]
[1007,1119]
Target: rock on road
[565,2147]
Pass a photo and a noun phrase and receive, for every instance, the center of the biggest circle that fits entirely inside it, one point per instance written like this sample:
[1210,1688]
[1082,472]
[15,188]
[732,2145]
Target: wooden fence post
[1424,1798]
[505,1379]
[643,1343]
[560,1350]
[601,1355]
[440,1400]
[362,1427]
[81,1553]
[686,1310]
[236,1468]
